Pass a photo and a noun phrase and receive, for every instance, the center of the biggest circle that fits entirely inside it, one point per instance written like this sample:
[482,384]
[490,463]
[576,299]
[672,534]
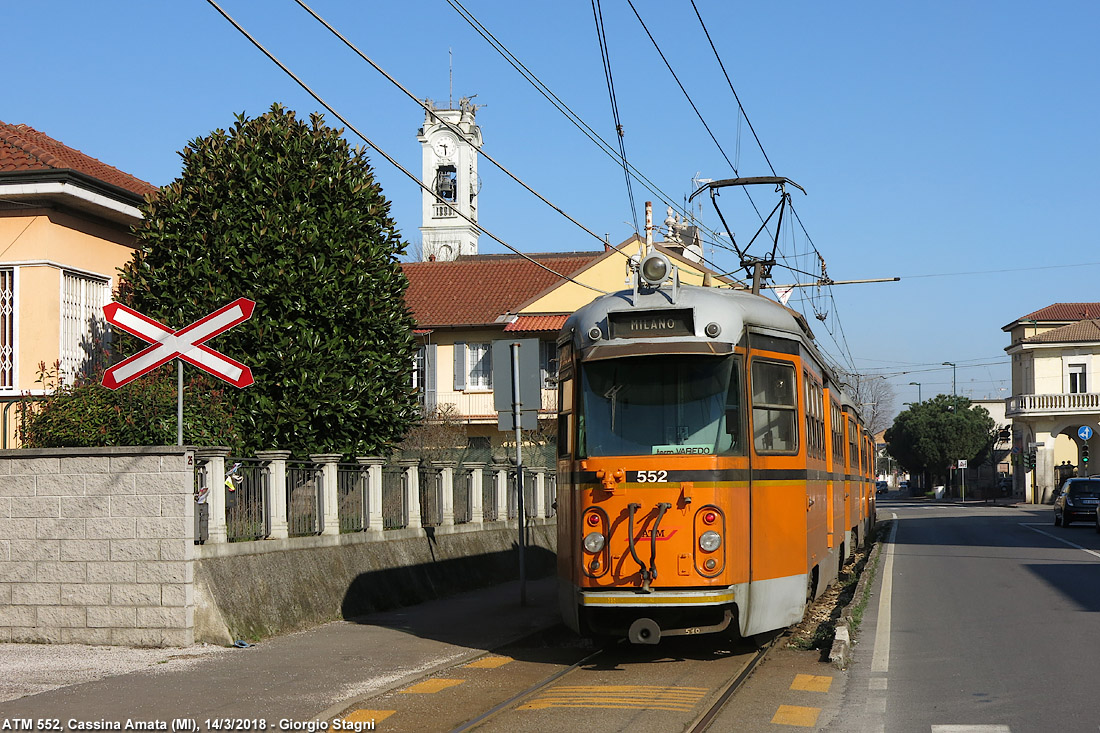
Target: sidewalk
[301,677]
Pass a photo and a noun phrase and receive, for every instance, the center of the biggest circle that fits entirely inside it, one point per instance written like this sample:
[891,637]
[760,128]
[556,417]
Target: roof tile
[478,289]
[22,148]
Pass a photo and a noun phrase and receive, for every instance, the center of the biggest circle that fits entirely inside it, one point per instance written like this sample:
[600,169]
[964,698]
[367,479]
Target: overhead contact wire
[379,150]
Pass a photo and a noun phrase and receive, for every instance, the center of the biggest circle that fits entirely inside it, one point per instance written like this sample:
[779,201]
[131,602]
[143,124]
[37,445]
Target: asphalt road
[986,622]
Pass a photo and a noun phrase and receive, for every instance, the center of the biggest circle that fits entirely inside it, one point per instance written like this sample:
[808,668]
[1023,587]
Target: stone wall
[96,546]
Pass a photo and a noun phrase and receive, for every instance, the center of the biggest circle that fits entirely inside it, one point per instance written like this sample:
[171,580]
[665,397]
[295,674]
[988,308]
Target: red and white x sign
[187,343]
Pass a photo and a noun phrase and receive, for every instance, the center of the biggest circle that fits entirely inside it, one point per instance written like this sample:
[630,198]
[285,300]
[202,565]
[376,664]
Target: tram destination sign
[651,324]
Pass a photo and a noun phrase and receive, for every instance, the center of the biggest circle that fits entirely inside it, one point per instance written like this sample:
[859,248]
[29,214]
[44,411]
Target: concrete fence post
[540,491]
[373,498]
[412,492]
[473,485]
[275,500]
[330,522]
[215,496]
[447,500]
[500,481]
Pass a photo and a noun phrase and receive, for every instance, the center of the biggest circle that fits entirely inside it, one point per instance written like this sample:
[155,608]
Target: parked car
[1005,485]
[1076,500]
[881,487]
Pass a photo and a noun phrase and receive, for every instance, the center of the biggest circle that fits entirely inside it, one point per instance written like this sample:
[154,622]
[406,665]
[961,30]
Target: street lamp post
[919,400]
[954,401]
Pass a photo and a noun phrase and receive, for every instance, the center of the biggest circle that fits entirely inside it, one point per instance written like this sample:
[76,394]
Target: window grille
[7,328]
[84,332]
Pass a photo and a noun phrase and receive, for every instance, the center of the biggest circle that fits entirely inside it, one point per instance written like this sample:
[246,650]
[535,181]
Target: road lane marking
[880,660]
[796,715]
[488,663]
[812,683]
[428,687]
[877,683]
[1035,528]
[971,729]
[368,716]
[636,697]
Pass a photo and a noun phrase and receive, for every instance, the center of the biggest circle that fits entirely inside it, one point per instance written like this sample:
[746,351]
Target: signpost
[510,396]
[186,344]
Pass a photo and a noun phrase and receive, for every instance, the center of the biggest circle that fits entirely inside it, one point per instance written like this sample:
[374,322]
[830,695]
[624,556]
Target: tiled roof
[538,323]
[1081,331]
[24,149]
[1064,312]
[478,289]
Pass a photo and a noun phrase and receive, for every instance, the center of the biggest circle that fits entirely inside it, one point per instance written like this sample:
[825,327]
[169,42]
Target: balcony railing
[1052,404]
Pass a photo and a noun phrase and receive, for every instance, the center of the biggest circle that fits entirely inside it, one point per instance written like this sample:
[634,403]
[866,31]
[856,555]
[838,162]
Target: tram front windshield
[656,405]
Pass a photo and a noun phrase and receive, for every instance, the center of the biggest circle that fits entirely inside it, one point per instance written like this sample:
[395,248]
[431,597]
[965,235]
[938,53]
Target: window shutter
[429,378]
[460,366]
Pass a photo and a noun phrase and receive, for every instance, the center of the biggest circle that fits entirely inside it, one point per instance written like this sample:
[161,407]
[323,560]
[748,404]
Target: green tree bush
[85,414]
[289,215]
[933,434]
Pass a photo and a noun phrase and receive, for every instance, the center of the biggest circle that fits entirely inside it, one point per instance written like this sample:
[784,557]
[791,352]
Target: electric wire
[380,151]
[566,111]
[605,56]
[431,112]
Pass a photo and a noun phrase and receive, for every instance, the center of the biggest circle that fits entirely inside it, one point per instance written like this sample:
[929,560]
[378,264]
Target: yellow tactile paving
[812,683]
[427,687]
[489,663]
[797,716]
[368,716]
[639,697]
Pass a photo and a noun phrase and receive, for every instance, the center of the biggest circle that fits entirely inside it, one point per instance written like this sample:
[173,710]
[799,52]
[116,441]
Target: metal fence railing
[325,497]
[245,493]
[353,496]
[395,505]
[463,478]
[305,499]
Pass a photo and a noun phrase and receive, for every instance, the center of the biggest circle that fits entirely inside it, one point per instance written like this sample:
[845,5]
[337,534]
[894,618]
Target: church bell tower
[450,170]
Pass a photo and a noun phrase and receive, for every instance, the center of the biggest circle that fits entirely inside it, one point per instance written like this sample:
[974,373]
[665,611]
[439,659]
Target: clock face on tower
[445,146]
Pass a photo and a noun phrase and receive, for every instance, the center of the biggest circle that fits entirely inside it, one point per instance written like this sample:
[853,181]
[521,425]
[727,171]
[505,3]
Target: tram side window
[565,400]
[732,442]
[774,407]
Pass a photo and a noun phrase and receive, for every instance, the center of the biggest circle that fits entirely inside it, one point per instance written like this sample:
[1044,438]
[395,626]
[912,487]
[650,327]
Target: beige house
[65,221]
[1055,393]
[462,305]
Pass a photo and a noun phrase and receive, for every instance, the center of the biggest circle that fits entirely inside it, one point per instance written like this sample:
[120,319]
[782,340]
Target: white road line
[880,660]
[1035,528]
[971,729]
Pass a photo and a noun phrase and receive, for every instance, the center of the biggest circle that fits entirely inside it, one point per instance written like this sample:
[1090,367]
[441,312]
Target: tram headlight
[709,541]
[655,269]
[593,542]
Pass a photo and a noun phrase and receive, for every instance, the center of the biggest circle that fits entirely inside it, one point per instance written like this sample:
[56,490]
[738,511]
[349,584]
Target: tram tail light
[709,541]
[594,542]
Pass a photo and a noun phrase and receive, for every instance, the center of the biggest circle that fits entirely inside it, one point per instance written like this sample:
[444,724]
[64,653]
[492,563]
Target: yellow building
[65,223]
[462,305]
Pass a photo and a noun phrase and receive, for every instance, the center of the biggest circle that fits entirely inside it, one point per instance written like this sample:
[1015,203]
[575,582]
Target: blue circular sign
[1084,432]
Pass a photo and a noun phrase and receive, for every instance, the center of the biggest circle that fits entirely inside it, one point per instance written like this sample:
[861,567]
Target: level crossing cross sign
[188,343]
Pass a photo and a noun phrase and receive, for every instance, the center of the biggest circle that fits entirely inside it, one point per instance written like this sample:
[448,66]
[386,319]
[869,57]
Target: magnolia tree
[933,434]
[288,214]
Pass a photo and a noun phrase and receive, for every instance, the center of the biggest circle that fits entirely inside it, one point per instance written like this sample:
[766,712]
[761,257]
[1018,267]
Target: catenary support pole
[516,409]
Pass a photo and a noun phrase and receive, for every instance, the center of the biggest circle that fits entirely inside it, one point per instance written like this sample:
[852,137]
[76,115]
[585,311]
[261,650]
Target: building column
[275,499]
[215,495]
[373,493]
[330,504]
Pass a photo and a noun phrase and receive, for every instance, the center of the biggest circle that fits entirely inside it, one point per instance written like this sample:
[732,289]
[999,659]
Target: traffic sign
[186,344]
[1084,432]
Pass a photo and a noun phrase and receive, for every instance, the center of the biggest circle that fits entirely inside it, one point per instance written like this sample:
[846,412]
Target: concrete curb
[840,653]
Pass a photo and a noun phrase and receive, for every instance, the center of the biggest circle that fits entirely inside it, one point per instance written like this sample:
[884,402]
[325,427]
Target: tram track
[621,656]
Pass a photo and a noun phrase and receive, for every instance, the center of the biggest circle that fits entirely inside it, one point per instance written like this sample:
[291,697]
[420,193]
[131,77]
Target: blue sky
[951,144]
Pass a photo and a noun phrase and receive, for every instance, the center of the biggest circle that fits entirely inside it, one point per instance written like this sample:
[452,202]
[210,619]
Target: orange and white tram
[711,473]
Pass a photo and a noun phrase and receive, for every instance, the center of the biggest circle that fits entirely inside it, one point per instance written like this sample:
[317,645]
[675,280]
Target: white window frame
[479,366]
[1080,370]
